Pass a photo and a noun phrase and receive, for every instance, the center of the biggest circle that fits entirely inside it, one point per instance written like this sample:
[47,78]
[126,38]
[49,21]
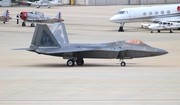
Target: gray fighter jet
[54,42]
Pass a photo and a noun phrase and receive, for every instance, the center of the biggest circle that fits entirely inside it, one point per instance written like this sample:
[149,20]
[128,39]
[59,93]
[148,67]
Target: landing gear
[158,31]
[37,6]
[49,7]
[70,62]
[123,63]
[121,27]
[4,22]
[79,62]
[32,25]
[23,24]
[151,31]
[171,30]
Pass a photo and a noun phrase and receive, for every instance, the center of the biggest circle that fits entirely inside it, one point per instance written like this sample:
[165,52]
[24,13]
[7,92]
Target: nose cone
[161,52]
[113,19]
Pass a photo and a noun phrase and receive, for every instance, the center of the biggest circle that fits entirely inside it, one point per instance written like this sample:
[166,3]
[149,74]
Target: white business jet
[152,14]
[162,25]
[43,3]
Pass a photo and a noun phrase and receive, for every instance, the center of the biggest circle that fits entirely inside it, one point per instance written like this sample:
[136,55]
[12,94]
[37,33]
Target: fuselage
[152,13]
[119,50]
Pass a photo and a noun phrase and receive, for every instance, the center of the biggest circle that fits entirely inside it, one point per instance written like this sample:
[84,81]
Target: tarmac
[28,78]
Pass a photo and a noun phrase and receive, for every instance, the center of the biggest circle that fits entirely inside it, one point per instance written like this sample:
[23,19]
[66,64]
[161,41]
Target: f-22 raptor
[54,42]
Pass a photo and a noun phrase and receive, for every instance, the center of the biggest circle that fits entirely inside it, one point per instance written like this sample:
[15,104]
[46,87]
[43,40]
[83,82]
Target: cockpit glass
[120,12]
[135,42]
[164,23]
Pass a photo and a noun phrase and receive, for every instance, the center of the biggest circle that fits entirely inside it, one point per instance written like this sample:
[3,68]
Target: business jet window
[162,12]
[168,12]
[144,13]
[120,12]
[156,12]
[150,13]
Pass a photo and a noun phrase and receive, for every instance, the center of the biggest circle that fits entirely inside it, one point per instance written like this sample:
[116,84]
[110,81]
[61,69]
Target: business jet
[43,3]
[38,17]
[151,14]
[162,25]
[5,17]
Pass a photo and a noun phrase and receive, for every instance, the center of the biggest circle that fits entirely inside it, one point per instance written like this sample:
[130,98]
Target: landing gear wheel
[32,25]
[70,62]
[23,24]
[4,22]
[158,31]
[171,30]
[49,7]
[121,27]
[123,63]
[151,31]
[80,62]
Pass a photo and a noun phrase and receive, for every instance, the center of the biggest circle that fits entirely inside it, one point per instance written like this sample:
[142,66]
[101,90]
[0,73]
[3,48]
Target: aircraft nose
[112,19]
[161,51]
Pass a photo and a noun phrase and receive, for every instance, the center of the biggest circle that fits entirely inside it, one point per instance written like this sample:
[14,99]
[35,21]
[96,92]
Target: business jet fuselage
[153,14]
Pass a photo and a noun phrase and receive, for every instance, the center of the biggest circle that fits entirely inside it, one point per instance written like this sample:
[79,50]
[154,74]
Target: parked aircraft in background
[54,42]
[43,3]
[5,17]
[38,17]
[162,25]
[153,14]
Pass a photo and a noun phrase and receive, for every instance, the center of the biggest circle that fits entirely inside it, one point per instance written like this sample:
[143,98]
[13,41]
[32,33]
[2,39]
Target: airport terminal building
[103,2]
[124,2]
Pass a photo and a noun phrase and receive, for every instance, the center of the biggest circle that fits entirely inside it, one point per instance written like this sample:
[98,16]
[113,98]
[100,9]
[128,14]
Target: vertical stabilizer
[59,31]
[58,17]
[6,16]
[43,37]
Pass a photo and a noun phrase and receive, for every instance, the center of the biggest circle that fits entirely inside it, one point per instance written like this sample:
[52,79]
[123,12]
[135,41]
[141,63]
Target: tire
[70,62]
[23,24]
[80,62]
[123,63]
[32,25]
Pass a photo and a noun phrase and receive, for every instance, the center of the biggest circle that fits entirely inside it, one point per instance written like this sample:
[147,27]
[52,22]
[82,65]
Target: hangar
[5,3]
[122,2]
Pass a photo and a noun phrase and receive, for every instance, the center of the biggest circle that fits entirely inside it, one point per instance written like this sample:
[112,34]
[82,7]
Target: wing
[42,20]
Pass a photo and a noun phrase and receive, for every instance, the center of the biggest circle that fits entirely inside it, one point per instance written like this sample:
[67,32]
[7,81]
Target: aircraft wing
[43,20]
[145,25]
[170,19]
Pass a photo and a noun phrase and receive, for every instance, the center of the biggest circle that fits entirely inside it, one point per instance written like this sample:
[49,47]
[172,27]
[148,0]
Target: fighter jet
[38,17]
[162,25]
[5,17]
[54,42]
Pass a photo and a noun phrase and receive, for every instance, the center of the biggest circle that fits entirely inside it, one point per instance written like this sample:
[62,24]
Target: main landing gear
[171,31]
[78,61]
[121,27]
[32,25]
[24,24]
